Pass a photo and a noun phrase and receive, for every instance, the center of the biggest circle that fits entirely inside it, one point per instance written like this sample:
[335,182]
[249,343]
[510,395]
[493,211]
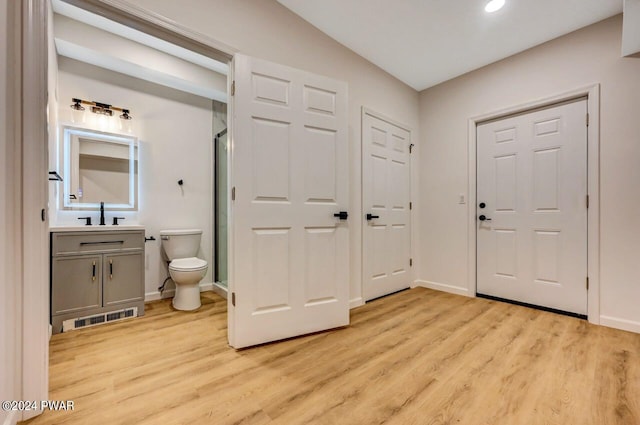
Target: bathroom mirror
[99,167]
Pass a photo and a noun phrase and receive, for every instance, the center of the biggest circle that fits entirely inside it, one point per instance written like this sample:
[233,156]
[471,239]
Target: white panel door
[532,195]
[386,188]
[290,265]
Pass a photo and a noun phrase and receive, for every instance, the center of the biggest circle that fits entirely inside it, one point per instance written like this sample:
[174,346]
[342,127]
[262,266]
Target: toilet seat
[188,264]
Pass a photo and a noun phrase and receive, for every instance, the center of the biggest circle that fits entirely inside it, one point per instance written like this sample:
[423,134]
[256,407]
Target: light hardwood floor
[417,357]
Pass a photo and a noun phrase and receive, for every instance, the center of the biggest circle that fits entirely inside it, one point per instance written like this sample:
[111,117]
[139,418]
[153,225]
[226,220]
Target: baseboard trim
[622,324]
[169,293]
[204,287]
[12,418]
[220,290]
[356,302]
[157,295]
[443,287]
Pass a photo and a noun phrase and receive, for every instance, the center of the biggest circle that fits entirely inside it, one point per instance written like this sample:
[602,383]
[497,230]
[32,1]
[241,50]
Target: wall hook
[180,182]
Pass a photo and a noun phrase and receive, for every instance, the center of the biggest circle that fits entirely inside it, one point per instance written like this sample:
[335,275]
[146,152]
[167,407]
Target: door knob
[482,205]
[484,218]
[342,215]
[371,216]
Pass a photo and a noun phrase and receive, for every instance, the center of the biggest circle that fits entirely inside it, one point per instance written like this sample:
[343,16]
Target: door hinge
[411,147]
[587,283]
[587,201]
[233,193]
[587,120]
[43,215]
[410,262]
[233,88]
[410,205]
[233,299]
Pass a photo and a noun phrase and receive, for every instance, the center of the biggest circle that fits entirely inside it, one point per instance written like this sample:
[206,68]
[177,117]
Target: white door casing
[532,176]
[35,227]
[386,189]
[290,261]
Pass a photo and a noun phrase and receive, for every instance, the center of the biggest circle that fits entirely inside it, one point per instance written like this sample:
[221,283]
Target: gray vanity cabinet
[95,272]
[122,276]
[82,288]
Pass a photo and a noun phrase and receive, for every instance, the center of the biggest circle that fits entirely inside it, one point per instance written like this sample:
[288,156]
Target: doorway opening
[37,28]
[175,99]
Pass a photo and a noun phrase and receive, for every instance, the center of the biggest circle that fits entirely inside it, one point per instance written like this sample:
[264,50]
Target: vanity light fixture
[77,111]
[125,115]
[100,108]
[76,105]
[494,6]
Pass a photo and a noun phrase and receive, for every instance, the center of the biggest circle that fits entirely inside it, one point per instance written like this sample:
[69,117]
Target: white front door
[386,188]
[532,207]
[290,253]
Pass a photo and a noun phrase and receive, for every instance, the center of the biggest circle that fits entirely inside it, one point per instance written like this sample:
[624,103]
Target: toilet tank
[181,243]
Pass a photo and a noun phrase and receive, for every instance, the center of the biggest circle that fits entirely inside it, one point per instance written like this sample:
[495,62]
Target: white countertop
[96,228]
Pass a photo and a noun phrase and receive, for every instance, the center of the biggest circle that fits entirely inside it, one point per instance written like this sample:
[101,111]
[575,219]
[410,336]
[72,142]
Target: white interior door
[532,195]
[386,188]
[290,265]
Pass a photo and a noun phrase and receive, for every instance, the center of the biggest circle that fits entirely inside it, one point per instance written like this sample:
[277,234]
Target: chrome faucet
[102,214]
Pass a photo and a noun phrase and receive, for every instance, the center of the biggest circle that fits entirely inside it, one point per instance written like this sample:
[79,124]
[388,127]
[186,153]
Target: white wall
[267,30]
[175,133]
[590,55]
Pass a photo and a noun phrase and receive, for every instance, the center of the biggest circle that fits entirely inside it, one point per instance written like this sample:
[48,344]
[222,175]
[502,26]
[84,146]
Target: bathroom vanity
[97,275]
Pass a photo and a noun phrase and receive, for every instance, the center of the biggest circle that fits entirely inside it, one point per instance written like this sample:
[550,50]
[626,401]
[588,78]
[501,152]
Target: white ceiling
[426,42]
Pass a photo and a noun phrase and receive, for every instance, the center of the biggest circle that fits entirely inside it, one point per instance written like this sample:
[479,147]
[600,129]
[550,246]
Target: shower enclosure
[221,208]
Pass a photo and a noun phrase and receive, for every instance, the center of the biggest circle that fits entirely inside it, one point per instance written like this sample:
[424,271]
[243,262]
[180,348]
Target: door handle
[342,215]
[371,216]
[93,273]
[484,218]
[110,269]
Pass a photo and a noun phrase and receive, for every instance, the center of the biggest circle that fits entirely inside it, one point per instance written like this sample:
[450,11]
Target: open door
[289,197]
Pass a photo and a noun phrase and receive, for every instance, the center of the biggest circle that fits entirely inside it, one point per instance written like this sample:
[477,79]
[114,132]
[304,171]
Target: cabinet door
[123,278]
[77,283]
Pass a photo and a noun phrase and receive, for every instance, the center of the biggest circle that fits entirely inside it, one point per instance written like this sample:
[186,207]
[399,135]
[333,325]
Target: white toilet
[185,269]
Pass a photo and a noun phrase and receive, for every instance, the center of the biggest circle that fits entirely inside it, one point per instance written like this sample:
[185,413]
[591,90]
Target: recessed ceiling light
[494,5]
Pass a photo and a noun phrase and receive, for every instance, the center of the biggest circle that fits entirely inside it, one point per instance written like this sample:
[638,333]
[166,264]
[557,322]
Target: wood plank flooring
[416,357]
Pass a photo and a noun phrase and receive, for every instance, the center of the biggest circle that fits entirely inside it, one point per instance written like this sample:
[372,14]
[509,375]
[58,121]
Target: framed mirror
[99,167]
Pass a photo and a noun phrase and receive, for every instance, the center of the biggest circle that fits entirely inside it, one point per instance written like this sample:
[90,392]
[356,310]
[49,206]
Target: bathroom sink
[95,228]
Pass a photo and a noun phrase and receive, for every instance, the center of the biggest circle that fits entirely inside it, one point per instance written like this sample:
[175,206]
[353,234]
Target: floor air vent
[96,319]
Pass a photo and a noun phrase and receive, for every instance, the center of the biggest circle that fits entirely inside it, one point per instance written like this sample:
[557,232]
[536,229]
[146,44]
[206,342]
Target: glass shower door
[221,196]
